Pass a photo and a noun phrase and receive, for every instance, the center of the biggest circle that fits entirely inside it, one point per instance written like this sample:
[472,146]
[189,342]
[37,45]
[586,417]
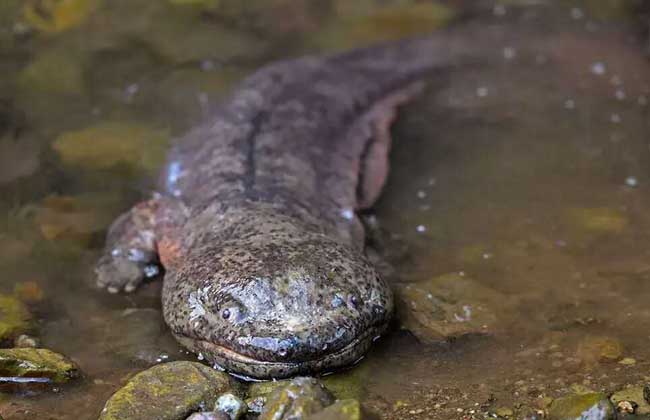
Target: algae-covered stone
[340,410]
[37,363]
[169,391]
[108,144]
[384,23]
[448,306]
[632,395]
[594,406]
[14,318]
[58,15]
[296,400]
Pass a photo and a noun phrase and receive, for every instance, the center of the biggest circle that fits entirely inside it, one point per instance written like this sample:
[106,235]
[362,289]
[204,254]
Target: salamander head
[277,303]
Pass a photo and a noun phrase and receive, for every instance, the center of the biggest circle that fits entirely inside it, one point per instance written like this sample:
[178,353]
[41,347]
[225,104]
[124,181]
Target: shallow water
[529,175]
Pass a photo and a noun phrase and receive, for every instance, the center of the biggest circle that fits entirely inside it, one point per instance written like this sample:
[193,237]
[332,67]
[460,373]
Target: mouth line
[371,333]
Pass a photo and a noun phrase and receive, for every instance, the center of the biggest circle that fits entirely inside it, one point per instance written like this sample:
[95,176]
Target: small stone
[627,361]
[627,407]
[169,391]
[296,400]
[25,341]
[504,412]
[633,396]
[37,365]
[232,405]
[209,415]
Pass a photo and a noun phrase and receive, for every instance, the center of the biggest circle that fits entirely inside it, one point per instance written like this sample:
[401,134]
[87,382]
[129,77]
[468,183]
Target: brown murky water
[530,176]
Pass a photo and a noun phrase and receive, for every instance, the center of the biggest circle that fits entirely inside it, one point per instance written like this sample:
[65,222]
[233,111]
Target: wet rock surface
[591,406]
[169,391]
[297,399]
[38,365]
[448,306]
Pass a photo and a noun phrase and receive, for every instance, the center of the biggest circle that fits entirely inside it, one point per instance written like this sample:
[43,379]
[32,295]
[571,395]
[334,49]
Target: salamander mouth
[250,368]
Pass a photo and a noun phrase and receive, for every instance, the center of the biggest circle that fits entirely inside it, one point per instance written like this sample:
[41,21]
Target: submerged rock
[592,406]
[364,25]
[136,335]
[75,219]
[38,365]
[14,318]
[107,144]
[340,410]
[598,349]
[297,399]
[169,391]
[447,306]
[58,15]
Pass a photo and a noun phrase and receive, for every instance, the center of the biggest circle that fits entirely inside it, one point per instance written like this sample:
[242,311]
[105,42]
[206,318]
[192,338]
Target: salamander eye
[225,314]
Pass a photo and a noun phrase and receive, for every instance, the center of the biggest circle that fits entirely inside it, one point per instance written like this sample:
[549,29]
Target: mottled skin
[256,225]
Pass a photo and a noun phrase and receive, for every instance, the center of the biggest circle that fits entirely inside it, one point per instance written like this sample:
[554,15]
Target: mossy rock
[169,391]
[37,363]
[593,406]
[296,400]
[111,143]
[14,318]
[340,410]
